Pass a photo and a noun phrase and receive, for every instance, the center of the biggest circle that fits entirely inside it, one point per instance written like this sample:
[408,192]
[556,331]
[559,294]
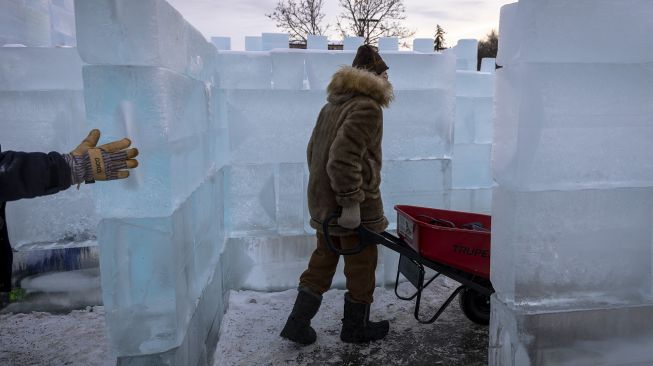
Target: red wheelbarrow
[453,244]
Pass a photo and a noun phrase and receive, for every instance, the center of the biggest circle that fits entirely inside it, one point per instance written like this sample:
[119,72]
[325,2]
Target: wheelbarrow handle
[355,250]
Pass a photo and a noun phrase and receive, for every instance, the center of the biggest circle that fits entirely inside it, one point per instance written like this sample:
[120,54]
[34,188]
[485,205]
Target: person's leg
[6,253]
[315,281]
[360,270]
[321,267]
[6,260]
[361,281]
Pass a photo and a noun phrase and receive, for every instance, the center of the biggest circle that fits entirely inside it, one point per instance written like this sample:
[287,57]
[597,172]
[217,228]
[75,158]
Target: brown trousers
[359,268]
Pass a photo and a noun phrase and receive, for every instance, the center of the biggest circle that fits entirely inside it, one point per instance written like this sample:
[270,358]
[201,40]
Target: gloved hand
[350,218]
[107,162]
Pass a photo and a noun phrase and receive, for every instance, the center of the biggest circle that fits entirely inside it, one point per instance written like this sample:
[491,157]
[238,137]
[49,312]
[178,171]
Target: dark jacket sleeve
[27,175]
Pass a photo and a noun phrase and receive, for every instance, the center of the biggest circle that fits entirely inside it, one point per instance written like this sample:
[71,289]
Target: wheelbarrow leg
[414,273]
[440,310]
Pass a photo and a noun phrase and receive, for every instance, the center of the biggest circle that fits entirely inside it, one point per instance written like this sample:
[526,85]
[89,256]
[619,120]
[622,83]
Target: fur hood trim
[349,81]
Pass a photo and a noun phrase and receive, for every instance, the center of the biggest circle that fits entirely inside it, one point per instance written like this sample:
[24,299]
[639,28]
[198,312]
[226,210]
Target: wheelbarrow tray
[465,249]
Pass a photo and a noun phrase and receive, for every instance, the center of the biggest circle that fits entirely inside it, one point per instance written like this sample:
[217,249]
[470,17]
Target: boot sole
[293,338]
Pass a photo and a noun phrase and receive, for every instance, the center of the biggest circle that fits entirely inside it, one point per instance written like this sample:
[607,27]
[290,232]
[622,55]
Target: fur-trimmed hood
[350,81]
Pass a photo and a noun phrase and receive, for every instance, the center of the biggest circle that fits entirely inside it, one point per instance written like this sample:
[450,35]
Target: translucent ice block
[424,45]
[473,120]
[419,125]
[42,120]
[144,33]
[40,68]
[271,126]
[317,42]
[388,44]
[474,84]
[221,43]
[274,263]
[291,199]
[466,53]
[415,182]
[25,22]
[571,337]
[243,70]
[63,25]
[152,269]
[251,203]
[320,66]
[165,115]
[558,248]
[289,69]
[571,29]
[508,34]
[488,64]
[477,200]
[472,166]
[270,41]
[559,126]
[352,43]
[253,43]
[410,71]
[66,217]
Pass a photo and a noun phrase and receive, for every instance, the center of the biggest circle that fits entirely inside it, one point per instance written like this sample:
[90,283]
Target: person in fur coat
[344,159]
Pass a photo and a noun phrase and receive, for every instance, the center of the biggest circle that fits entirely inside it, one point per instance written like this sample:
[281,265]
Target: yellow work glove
[89,163]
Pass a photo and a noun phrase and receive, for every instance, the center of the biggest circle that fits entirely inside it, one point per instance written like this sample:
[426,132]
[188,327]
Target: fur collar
[350,81]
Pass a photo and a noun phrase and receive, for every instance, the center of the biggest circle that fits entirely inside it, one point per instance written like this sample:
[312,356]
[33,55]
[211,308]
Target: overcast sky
[240,18]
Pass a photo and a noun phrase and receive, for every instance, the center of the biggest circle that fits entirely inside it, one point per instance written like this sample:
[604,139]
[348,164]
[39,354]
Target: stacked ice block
[161,232]
[62,20]
[471,161]
[37,23]
[42,107]
[269,103]
[572,213]
[466,51]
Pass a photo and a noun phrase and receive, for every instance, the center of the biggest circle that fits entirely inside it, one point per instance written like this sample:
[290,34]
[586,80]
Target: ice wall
[471,162]
[37,23]
[42,106]
[150,77]
[572,212]
[219,200]
[269,102]
[466,51]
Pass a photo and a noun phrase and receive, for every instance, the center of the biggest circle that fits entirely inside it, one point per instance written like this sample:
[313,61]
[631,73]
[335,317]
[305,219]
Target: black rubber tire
[475,306]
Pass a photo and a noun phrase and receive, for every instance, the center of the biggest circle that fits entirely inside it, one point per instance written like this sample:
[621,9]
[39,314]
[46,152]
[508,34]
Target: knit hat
[368,58]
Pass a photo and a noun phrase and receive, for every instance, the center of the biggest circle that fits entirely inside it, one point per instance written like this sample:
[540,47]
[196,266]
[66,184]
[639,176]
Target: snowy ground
[249,333]
[77,338]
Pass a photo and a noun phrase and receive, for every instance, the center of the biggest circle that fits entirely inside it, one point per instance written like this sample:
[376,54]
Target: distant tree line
[370,19]
[488,47]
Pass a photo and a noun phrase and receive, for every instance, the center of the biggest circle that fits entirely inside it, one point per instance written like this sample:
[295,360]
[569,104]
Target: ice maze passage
[219,199]
[573,208]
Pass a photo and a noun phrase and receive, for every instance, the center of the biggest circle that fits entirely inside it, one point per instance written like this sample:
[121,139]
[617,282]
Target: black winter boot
[298,327]
[356,324]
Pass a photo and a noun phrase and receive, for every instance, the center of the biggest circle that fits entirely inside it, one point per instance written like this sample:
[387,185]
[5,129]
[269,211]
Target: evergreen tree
[439,43]
[488,47]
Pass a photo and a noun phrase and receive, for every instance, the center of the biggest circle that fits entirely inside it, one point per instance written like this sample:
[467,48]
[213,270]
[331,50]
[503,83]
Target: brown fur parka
[344,152]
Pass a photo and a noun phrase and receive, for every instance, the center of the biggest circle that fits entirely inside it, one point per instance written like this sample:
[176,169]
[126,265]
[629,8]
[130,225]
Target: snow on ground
[77,338]
[249,334]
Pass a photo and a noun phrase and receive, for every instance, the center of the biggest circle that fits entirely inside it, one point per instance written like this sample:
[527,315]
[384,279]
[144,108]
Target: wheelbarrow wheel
[475,306]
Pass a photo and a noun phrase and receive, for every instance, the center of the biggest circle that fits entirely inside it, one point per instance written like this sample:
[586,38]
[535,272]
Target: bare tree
[439,43]
[488,47]
[299,18]
[372,19]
